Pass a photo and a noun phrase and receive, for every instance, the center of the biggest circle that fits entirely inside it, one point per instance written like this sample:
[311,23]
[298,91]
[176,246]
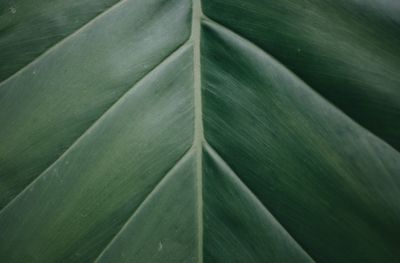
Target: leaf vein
[167,59]
[61,41]
[279,63]
[215,155]
[168,174]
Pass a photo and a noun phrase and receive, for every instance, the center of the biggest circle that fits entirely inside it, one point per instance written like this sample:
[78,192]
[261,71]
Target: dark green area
[347,50]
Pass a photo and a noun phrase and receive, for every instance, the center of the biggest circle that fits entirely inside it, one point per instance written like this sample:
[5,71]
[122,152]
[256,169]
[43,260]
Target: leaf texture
[347,50]
[188,131]
[283,141]
[70,87]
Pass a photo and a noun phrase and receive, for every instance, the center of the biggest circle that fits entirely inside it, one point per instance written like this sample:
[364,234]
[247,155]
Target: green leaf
[181,131]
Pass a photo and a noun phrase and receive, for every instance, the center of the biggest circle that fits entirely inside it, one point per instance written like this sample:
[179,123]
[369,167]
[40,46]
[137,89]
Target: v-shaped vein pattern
[329,182]
[277,174]
[66,90]
[73,210]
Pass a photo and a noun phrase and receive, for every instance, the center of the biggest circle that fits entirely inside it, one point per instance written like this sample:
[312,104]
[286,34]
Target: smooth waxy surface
[147,131]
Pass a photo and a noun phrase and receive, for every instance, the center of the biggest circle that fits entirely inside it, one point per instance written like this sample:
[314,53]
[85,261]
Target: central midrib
[199,139]
[198,120]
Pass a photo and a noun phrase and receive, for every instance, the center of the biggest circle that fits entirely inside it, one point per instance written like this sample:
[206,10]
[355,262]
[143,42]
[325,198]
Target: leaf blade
[75,208]
[148,237]
[282,139]
[345,50]
[30,29]
[61,102]
[238,227]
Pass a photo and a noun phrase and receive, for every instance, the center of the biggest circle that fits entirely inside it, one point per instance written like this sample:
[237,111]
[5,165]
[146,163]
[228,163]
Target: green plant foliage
[188,131]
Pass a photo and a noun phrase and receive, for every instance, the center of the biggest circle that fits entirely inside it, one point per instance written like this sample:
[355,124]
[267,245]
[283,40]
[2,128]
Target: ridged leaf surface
[188,131]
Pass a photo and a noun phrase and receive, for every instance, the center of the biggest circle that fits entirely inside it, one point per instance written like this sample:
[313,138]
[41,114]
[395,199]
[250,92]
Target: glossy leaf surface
[181,131]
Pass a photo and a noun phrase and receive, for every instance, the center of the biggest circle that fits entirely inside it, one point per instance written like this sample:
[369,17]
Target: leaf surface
[168,131]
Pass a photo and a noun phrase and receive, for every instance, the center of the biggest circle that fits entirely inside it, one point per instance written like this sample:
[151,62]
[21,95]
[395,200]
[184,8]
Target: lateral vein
[214,154]
[63,40]
[153,192]
[214,23]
